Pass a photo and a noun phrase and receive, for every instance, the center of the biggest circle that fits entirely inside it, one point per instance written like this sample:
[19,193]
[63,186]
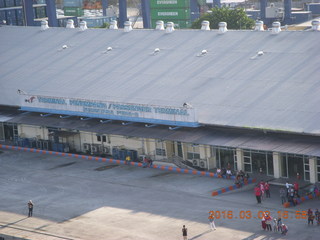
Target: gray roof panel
[279,90]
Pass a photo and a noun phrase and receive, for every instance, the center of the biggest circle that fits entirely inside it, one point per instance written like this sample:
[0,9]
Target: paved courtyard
[83,199]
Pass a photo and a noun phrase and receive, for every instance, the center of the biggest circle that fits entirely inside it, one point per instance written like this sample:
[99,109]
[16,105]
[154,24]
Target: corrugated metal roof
[279,90]
[235,138]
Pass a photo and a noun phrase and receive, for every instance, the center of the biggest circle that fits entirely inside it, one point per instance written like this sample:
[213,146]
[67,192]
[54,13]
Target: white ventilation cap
[44,25]
[222,27]
[127,26]
[315,25]
[159,25]
[205,25]
[113,24]
[276,27]
[83,26]
[259,26]
[70,24]
[170,27]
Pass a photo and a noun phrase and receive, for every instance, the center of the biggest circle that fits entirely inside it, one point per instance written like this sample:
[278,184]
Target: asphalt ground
[85,199]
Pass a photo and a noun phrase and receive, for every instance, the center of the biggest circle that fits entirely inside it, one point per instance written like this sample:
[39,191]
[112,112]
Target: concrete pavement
[77,199]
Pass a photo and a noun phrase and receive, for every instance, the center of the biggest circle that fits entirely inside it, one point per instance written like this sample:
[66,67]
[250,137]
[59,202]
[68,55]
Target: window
[193,151]
[160,150]
[104,138]
[99,138]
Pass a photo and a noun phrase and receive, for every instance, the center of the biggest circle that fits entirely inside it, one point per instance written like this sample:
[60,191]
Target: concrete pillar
[28,12]
[313,169]
[212,160]
[104,7]
[263,5]
[277,164]
[145,4]
[52,13]
[122,12]
[240,160]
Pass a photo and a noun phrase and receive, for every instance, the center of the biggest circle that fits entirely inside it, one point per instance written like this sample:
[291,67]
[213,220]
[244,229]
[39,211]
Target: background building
[202,99]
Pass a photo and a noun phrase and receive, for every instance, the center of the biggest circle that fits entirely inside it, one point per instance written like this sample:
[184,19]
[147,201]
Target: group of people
[147,162]
[278,226]
[313,217]
[241,178]
[262,190]
[290,194]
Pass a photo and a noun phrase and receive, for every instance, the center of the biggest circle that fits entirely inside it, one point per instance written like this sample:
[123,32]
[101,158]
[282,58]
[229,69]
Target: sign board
[180,116]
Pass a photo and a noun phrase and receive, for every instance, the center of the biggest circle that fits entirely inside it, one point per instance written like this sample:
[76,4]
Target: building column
[240,161]
[313,169]
[212,161]
[277,164]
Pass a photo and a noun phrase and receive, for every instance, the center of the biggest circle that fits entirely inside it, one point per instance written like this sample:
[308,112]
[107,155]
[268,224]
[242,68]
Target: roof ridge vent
[83,26]
[222,27]
[127,26]
[276,28]
[315,25]
[205,25]
[113,25]
[44,25]
[170,27]
[259,26]
[70,24]
[160,25]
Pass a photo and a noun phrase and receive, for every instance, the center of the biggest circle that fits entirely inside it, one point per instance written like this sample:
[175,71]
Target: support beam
[126,123]
[150,126]
[105,121]
[263,6]
[28,12]
[104,7]
[287,11]
[145,5]
[67,116]
[194,10]
[122,12]
[277,164]
[313,169]
[240,160]
[52,13]
[174,128]
[85,119]
[46,115]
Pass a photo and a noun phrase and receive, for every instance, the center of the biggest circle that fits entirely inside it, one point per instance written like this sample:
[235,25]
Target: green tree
[235,18]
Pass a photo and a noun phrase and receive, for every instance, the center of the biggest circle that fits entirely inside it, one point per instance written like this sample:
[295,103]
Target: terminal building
[197,98]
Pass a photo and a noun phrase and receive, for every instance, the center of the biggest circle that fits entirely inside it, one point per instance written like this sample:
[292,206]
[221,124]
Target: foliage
[105,25]
[235,18]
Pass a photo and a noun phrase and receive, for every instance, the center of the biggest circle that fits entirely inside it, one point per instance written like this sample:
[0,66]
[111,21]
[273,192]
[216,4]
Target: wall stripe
[302,199]
[233,187]
[120,162]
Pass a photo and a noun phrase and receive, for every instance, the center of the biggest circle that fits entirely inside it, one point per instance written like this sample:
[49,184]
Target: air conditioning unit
[94,149]
[86,146]
[106,150]
[203,163]
[195,162]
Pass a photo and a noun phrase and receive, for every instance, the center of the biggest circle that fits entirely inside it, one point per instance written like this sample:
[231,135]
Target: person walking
[296,189]
[257,192]
[30,208]
[283,195]
[267,188]
[212,224]
[185,233]
[310,216]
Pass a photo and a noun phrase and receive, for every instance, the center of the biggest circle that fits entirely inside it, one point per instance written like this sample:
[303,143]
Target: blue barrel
[115,153]
[122,154]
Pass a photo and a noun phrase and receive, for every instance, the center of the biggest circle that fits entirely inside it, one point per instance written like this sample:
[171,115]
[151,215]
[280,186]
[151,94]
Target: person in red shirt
[296,189]
[267,189]
[257,192]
